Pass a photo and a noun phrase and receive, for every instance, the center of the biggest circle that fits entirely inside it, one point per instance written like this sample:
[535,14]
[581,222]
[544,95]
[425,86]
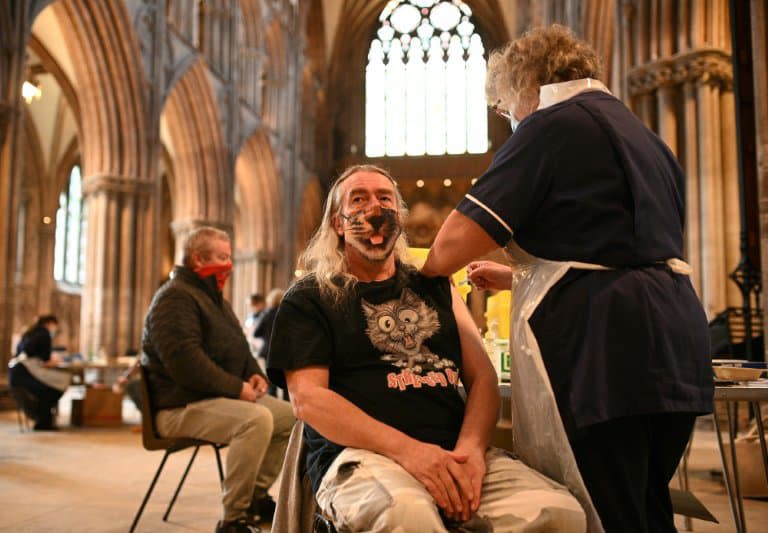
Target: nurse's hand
[488,275]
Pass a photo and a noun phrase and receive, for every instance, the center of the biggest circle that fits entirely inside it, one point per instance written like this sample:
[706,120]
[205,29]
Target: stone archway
[256,226]
[203,183]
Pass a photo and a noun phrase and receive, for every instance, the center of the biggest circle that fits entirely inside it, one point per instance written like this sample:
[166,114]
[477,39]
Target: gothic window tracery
[69,251]
[424,82]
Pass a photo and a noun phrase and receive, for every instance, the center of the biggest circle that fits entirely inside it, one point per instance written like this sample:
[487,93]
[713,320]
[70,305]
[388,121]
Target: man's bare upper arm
[473,356]
[306,377]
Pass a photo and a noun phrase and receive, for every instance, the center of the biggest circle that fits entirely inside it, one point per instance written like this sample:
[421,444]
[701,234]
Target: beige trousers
[365,491]
[257,434]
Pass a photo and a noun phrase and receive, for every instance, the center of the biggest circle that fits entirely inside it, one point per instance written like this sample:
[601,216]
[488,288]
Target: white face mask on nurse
[508,115]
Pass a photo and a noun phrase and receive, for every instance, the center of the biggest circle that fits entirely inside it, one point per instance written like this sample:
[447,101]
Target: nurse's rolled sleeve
[505,198]
[486,218]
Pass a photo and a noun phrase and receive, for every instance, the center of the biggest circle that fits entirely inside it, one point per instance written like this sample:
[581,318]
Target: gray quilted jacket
[194,345]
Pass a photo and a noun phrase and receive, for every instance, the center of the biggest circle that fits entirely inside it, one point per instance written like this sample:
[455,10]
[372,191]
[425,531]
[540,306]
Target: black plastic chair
[152,441]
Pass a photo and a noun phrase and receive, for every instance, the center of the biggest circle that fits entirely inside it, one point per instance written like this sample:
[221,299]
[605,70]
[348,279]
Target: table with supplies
[93,402]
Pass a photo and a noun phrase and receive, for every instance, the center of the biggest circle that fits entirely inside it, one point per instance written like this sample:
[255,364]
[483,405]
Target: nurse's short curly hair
[539,57]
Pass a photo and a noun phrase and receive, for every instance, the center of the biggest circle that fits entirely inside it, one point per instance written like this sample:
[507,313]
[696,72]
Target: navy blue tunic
[585,180]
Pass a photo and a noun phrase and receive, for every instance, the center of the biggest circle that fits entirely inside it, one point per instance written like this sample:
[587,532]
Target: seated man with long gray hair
[372,352]
[205,383]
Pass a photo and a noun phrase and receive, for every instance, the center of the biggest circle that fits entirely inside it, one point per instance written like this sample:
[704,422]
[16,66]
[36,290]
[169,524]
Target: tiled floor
[91,479]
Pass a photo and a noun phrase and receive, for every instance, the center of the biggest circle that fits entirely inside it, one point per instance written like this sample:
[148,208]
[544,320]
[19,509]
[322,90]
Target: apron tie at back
[678,266]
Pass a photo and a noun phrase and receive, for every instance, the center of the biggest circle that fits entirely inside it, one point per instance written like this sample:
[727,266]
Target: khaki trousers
[257,434]
[365,491]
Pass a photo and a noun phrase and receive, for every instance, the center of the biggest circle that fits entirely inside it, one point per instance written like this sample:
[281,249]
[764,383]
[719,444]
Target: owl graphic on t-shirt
[399,328]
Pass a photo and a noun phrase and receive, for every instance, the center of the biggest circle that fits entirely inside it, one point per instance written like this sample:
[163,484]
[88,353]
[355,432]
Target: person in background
[205,383]
[263,331]
[31,370]
[129,382]
[589,204]
[252,322]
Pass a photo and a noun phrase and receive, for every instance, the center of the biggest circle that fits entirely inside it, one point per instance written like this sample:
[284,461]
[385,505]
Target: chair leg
[21,421]
[218,463]
[320,524]
[149,492]
[181,483]
[682,477]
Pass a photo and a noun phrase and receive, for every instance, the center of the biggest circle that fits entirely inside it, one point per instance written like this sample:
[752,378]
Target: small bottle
[489,340]
[502,356]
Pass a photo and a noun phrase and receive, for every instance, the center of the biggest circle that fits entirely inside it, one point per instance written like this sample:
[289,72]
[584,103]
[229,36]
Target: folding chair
[152,441]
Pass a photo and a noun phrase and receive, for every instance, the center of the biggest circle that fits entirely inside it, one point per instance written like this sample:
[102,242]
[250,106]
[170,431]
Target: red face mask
[221,272]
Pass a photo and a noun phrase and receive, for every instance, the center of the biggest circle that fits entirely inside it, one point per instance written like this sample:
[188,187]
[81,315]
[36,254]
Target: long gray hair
[324,256]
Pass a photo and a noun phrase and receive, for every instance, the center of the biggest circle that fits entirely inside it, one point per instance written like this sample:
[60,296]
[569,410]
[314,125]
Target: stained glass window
[424,82]
[69,251]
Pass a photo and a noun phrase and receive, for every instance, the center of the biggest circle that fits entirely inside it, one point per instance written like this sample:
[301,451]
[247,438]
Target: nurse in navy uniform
[589,206]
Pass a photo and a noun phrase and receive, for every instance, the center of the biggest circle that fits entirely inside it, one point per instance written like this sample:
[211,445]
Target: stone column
[45,284]
[119,254]
[693,184]
[714,273]
[731,202]
[644,108]
[155,43]
[15,29]
[759,16]
[666,97]
[243,281]
[281,271]
[269,277]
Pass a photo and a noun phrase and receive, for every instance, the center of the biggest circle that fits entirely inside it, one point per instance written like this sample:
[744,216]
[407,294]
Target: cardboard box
[99,408]
[749,457]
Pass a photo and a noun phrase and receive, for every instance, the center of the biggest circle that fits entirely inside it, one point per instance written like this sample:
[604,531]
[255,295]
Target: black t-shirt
[392,349]
[585,180]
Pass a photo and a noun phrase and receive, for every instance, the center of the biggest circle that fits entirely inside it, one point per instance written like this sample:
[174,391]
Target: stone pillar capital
[703,66]
[97,183]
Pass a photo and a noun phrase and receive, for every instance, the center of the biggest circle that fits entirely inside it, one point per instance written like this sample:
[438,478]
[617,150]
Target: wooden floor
[91,479]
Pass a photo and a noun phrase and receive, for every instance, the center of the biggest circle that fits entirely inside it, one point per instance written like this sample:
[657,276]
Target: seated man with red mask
[206,385]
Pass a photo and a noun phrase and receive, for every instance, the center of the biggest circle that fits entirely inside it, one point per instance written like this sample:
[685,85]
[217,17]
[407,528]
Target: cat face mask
[372,232]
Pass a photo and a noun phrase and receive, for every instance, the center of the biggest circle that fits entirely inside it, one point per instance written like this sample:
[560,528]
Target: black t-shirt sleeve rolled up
[300,337]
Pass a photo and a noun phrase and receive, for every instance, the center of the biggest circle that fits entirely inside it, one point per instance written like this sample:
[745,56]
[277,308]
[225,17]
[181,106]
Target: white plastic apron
[537,430]
[57,379]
